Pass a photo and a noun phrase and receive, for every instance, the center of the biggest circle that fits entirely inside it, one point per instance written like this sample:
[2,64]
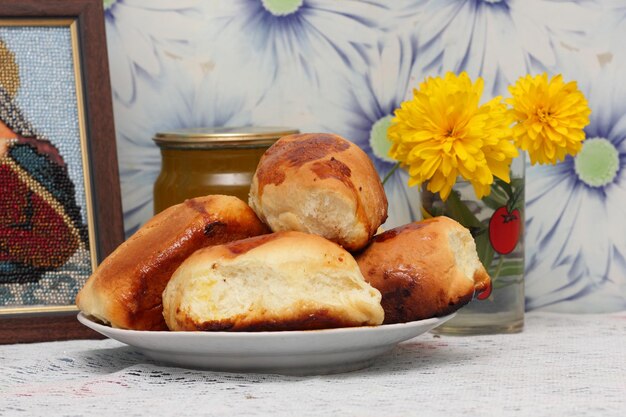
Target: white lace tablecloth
[561,365]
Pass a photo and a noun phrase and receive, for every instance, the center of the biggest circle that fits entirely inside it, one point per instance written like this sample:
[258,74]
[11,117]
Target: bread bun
[424,269]
[125,290]
[322,184]
[282,281]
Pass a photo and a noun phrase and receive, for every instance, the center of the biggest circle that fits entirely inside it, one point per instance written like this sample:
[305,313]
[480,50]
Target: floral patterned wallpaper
[343,66]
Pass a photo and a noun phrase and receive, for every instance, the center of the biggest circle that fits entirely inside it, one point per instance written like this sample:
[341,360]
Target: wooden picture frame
[97,227]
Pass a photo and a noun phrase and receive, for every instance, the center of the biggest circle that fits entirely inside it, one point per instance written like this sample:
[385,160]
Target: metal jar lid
[221,137]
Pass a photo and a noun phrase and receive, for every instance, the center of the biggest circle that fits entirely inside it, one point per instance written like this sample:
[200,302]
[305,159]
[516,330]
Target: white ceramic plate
[288,352]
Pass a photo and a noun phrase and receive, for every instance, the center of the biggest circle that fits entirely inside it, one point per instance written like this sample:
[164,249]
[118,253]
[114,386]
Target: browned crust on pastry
[125,290]
[414,269]
[305,164]
[282,281]
[293,151]
[245,245]
[314,320]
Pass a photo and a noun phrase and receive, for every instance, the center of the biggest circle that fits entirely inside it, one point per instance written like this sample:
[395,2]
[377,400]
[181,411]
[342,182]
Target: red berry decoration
[485,293]
[504,230]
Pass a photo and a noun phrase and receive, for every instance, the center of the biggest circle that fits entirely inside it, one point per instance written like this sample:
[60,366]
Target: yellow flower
[444,132]
[550,117]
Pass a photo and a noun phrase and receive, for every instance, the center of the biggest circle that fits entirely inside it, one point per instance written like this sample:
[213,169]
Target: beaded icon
[44,248]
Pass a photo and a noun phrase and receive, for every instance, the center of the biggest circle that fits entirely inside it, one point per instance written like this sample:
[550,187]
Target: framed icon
[60,209]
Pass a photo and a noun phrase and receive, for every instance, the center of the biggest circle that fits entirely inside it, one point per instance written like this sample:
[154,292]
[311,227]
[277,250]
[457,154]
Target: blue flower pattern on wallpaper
[343,66]
[361,106]
[140,32]
[301,37]
[576,210]
[197,99]
[500,39]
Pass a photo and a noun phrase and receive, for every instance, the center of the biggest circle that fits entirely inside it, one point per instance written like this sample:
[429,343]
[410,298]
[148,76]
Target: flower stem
[391,171]
[496,274]
[514,199]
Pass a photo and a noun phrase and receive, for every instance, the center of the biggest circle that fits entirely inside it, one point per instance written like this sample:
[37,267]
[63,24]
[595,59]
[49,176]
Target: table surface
[561,365]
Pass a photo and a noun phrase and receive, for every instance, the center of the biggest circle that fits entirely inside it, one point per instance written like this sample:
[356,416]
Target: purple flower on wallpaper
[576,222]
[139,32]
[302,37]
[360,108]
[498,39]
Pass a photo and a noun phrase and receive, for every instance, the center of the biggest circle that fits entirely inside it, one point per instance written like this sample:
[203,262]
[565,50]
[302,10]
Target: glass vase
[497,224]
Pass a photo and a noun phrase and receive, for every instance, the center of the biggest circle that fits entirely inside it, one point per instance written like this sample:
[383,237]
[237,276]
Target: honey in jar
[199,162]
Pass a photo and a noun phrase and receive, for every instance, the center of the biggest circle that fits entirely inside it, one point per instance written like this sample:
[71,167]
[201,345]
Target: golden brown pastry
[125,290]
[322,184]
[424,269]
[281,281]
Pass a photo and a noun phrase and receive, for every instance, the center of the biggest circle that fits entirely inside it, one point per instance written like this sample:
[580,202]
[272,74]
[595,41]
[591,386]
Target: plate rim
[86,321]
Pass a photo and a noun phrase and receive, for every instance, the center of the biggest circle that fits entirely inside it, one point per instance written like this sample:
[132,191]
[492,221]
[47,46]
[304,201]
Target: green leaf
[499,193]
[516,183]
[484,249]
[496,199]
[457,210]
[492,203]
[512,267]
[505,186]
[517,200]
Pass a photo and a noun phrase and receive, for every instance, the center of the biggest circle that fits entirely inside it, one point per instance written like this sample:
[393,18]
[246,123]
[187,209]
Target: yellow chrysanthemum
[550,117]
[444,132]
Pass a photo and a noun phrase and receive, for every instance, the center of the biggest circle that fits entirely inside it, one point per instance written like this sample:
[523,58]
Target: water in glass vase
[497,223]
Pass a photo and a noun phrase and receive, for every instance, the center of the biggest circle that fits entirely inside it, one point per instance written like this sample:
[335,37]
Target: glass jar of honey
[204,161]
